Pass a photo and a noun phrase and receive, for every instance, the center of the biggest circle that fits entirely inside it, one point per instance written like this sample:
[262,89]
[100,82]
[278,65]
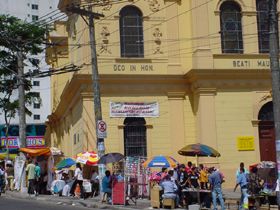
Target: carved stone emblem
[105,41]
[157,34]
[154,5]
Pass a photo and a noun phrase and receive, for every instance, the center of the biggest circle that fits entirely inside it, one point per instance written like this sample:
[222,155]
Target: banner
[130,109]
[31,142]
[35,142]
[12,141]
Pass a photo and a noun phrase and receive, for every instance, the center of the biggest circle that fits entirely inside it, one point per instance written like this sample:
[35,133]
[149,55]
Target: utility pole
[21,95]
[275,74]
[95,76]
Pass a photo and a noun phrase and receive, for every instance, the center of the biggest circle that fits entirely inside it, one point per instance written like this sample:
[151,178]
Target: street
[19,204]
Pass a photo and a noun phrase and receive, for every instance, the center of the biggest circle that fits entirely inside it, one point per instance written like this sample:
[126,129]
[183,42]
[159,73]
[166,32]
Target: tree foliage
[17,35]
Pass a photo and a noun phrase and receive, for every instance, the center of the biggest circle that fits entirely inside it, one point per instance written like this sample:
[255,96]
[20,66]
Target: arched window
[266,112]
[135,139]
[263,25]
[231,27]
[131,32]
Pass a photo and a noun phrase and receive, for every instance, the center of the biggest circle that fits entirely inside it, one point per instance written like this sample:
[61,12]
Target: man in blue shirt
[216,180]
[242,181]
[169,189]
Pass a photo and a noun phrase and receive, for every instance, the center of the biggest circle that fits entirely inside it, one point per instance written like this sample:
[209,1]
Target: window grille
[231,28]
[36,83]
[36,106]
[135,137]
[131,32]
[266,112]
[263,25]
[35,6]
[36,117]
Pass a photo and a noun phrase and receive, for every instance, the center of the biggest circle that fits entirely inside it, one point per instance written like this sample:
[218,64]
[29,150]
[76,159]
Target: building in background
[34,10]
[172,73]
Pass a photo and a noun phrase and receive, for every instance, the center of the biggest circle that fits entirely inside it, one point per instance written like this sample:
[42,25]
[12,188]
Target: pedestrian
[94,183]
[2,179]
[37,178]
[78,177]
[30,169]
[10,176]
[243,183]
[203,177]
[216,179]
[107,186]
[241,165]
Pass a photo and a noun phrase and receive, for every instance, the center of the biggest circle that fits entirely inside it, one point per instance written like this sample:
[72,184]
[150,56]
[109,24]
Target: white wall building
[33,10]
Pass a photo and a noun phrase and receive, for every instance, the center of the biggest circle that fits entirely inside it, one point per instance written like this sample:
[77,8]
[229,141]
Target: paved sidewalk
[89,202]
[96,202]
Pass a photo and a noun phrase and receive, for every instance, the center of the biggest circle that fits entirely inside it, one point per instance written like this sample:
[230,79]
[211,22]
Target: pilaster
[177,130]
[205,111]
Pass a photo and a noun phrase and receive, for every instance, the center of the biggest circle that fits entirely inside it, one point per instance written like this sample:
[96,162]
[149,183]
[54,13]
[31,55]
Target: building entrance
[267,133]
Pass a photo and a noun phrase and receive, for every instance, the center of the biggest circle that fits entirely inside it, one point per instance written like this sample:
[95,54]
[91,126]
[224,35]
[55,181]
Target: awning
[36,152]
[4,155]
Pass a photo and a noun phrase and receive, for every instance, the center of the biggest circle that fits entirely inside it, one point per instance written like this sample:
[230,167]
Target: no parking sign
[101,129]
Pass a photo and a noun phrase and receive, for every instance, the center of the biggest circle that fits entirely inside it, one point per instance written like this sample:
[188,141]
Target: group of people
[6,176]
[182,183]
[34,177]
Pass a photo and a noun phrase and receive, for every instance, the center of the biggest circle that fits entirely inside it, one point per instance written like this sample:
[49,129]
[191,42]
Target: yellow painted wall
[204,96]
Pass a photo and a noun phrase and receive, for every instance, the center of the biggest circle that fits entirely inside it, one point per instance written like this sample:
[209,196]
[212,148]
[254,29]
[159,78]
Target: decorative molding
[154,5]
[105,33]
[157,34]
[176,95]
[204,91]
[255,123]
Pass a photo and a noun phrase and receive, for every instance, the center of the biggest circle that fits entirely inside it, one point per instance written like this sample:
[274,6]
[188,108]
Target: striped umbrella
[160,162]
[199,150]
[88,158]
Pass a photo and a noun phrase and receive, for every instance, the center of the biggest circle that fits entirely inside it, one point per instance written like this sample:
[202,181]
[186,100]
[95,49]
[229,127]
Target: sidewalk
[96,202]
[89,202]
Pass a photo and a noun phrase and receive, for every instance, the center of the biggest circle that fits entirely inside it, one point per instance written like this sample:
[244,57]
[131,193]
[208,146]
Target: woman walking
[78,177]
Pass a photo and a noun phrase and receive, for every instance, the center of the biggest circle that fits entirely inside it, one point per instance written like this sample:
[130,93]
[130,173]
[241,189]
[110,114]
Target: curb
[66,201]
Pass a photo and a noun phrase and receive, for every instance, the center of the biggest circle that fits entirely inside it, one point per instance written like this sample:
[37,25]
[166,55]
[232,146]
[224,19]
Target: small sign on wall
[245,143]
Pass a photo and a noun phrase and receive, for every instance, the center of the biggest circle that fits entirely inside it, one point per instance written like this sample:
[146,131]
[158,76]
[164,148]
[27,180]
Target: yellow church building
[172,73]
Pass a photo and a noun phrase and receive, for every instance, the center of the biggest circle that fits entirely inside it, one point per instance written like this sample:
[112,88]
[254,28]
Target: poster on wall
[134,109]
[245,143]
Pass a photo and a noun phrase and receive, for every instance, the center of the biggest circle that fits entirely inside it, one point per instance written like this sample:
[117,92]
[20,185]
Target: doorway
[267,133]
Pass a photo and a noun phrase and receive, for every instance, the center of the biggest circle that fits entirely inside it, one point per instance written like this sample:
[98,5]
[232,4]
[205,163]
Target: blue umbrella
[160,162]
[66,163]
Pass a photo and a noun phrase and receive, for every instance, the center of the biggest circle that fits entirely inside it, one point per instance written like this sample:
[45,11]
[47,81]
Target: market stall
[262,183]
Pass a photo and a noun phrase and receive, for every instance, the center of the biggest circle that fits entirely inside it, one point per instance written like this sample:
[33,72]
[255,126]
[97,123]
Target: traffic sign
[101,129]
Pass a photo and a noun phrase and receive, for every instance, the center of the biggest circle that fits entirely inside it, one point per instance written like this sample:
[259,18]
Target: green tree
[17,35]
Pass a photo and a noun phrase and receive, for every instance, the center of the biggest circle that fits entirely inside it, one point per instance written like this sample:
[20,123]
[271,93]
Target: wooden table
[202,195]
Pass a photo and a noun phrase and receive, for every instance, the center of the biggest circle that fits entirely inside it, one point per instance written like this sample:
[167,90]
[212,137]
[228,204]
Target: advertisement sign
[11,141]
[31,142]
[245,143]
[131,109]
[35,141]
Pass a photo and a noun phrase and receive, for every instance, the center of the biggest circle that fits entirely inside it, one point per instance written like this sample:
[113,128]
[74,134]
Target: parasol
[88,158]
[160,162]
[66,163]
[111,158]
[199,150]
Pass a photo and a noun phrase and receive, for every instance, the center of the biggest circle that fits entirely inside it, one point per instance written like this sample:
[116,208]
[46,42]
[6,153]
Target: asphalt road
[20,204]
